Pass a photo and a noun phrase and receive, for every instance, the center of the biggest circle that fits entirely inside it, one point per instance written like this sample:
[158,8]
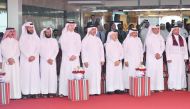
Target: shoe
[173,90]
[126,90]
[29,96]
[122,92]
[24,96]
[117,91]
[36,96]
[61,96]
[94,94]
[51,95]
[109,93]
[44,96]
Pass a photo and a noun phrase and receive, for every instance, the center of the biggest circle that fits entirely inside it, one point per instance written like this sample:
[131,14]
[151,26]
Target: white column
[14,10]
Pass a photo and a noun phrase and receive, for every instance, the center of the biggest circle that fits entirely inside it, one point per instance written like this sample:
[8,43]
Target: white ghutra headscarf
[42,33]
[24,30]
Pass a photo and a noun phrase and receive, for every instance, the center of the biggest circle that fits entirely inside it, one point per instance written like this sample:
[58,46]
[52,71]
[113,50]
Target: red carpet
[165,100]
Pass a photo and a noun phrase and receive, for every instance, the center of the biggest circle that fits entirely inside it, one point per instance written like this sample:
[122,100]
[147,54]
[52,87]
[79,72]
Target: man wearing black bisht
[1,35]
[121,33]
[59,56]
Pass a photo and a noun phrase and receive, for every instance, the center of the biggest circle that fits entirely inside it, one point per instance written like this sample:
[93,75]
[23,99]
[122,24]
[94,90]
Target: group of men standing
[30,62]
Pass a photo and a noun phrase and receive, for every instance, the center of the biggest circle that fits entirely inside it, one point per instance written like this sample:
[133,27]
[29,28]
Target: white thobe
[93,53]
[155,44]
[176,69]
[114,74]
[29,71]
[70,45]
[48,50]
[133,54]
[10,49]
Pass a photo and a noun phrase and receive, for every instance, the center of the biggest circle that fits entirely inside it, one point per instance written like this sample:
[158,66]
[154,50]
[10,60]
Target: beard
[29,32]
[10,36]
[47,36]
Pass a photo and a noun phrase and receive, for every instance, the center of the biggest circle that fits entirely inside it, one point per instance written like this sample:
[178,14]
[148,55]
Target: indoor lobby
[107,17]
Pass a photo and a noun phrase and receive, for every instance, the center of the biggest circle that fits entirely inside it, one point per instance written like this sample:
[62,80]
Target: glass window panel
[3,15]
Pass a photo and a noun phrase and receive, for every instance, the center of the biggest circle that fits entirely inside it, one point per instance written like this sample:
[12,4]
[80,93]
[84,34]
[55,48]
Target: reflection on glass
[43,17]
[3,15]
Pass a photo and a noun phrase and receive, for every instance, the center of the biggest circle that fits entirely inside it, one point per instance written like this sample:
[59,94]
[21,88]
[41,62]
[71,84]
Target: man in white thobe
[177,55]
[93,59]
[10,55]
[48,52]
[114,56]
[70,42]
[29,61]
[133,55]
[154,47]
